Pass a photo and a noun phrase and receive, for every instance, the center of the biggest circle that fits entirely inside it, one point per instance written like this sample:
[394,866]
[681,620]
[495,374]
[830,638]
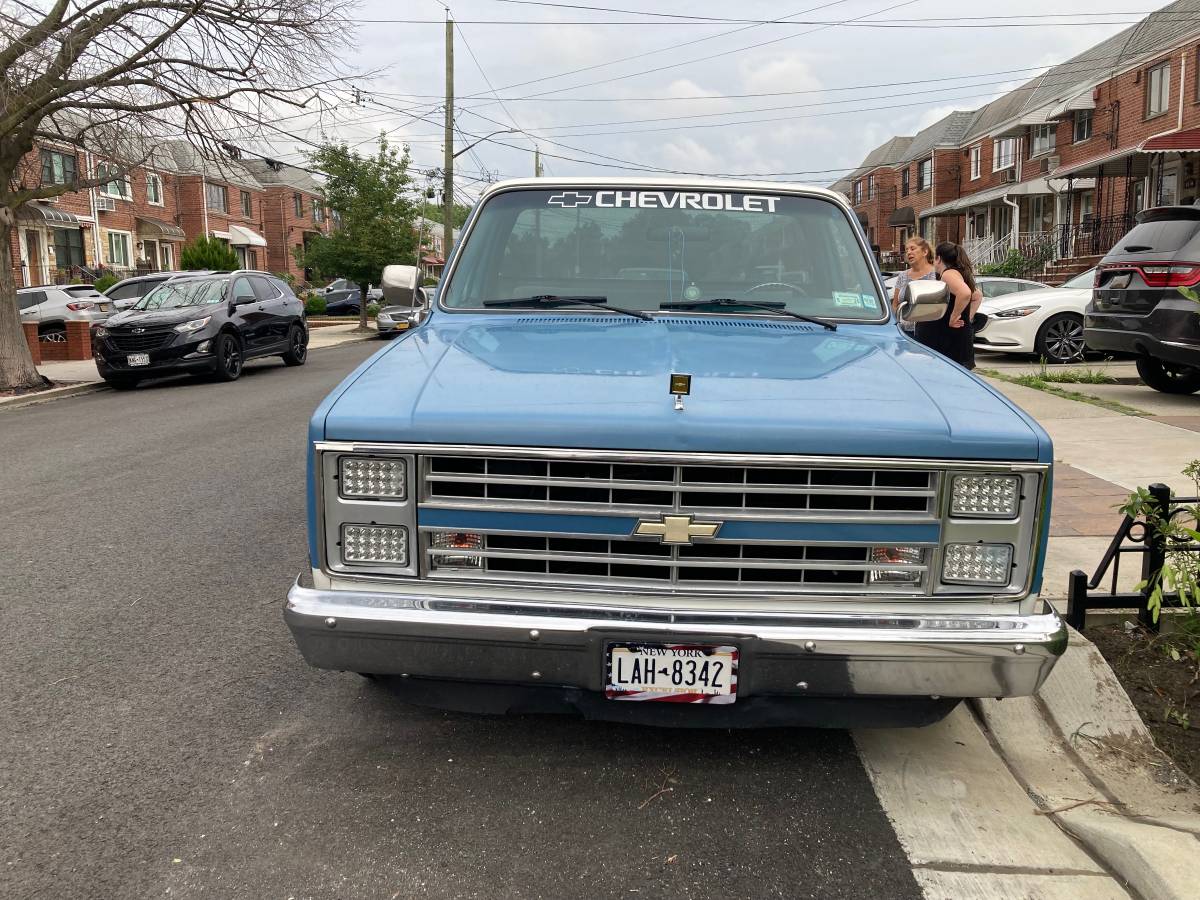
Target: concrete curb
[1083,754]
[58,393]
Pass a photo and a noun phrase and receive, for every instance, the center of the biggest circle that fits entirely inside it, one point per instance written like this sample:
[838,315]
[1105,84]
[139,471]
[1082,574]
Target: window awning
[241,236]
[48,214]
[433,260]
[1075,104]
[158,229]
[1180,142]
[1113,164]
[984,198]
[901,216]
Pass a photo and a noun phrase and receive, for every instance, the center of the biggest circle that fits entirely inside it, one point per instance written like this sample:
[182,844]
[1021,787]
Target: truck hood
[598,381]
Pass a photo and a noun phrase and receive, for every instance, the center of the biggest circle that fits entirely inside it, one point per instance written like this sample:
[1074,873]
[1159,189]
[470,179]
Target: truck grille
[133,343]
[777,567]
[465,482]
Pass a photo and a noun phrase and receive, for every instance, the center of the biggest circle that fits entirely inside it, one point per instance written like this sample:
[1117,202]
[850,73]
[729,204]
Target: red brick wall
[192,212]
[284,230]
[877,209]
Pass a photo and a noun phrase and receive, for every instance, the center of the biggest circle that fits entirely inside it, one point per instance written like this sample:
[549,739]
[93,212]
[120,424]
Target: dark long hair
[955,257]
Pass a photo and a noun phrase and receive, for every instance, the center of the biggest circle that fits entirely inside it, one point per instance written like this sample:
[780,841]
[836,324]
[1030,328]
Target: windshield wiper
[767,306]
[569,300]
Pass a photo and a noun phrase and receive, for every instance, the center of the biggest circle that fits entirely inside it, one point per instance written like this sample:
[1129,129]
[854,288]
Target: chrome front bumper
[793,655]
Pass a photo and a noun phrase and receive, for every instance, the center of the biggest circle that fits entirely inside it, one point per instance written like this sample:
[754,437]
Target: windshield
[1082,280]
[641,249]
[185,292]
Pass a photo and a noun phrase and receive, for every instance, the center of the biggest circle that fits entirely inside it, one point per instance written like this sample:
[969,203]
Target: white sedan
[1046,322]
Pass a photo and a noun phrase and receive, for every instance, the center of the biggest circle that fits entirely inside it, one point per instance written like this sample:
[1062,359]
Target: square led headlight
[385,545]
[977,564]
[985,496]
[372,478]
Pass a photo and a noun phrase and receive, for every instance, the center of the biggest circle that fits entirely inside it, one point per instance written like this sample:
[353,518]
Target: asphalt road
[161,737]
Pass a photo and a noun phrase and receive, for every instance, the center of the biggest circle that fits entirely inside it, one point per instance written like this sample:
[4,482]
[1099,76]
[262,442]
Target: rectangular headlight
[382,544]
[372,478]
[977,564]
[985,496]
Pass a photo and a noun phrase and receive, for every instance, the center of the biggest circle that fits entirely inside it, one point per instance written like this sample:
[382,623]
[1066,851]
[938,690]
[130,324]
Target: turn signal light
[1170,276]
[78,305]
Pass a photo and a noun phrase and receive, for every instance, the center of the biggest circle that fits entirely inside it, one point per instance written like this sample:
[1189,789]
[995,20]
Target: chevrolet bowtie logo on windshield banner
[570,199]
[676,529]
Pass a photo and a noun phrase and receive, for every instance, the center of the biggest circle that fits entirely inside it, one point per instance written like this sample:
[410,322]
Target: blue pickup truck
[659,453]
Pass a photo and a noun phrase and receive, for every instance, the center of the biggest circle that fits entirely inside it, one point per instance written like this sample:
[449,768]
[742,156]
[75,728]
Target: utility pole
[448,166]
[537,162]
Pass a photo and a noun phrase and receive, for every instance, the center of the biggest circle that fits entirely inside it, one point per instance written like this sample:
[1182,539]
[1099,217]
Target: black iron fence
[31,276]
[1094,236]
[1147,537]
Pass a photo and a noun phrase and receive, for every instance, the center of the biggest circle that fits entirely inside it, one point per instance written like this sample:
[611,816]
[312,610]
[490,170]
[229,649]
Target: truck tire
[1168,378]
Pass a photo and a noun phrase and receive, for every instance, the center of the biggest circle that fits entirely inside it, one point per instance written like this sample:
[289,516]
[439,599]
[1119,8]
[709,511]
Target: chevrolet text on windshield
[666,200]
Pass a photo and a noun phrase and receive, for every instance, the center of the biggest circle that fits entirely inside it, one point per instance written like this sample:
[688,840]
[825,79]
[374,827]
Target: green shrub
[207,253]
[314,305]
[429,282]
[372,310]
[104,282]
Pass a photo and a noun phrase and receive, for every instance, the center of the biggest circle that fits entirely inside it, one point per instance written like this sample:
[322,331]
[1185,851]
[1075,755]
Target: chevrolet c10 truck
[659,453]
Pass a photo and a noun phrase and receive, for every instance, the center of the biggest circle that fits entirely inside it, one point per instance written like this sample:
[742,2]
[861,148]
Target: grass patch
[1038,383]
[1069,376]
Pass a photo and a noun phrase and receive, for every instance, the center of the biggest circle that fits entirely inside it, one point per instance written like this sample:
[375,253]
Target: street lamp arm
[481,140]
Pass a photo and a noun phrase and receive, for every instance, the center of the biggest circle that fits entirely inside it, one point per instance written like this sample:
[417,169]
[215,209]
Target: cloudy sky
[619,92]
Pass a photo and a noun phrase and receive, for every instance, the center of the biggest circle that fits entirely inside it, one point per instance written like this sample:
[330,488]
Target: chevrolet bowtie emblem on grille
[138,330]
[676,529]
[570,199]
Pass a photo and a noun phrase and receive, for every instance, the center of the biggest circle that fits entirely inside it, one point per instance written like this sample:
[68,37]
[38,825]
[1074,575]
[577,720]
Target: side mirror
[124,304]
[244,299]
[924,301]
[400,284]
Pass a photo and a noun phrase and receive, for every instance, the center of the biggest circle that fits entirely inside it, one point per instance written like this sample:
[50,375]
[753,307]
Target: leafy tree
[207,253]
[461,211]
[104,282]
[369,194]
[114,78]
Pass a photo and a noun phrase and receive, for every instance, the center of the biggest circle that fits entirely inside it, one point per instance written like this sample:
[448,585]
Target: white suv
[52,306]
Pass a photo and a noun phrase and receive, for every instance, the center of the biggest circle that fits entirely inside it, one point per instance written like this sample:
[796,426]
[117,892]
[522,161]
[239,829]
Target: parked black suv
[207,323]
[1136,305]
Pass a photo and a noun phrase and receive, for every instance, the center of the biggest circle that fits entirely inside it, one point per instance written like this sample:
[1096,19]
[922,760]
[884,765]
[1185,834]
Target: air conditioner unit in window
[1008,176]
[1051,163]
[106,204]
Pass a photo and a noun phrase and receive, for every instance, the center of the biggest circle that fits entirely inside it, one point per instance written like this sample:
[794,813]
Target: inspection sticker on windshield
[845,298]
[700,200]
[674,673]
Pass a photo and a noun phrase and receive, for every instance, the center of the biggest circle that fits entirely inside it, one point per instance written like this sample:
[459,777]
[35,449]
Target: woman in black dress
[952,335]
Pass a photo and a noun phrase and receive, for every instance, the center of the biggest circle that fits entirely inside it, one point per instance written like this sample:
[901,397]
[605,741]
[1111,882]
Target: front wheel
[1060,340]
[1169,378]
[229,357]
[297,351]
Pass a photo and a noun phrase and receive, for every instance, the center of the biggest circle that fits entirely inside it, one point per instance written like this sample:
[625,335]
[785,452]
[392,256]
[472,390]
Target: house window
[118,249]
[1043,137]
[318,212]
[1158,90]
[1083,125]
[118,186]
[68,247]
[857,193]
[904,182]
[298,204]
[976,155]
[215,197]
[247,205]
[1004,154]
[870,187]
[57,168]
[925,174]
[154,189]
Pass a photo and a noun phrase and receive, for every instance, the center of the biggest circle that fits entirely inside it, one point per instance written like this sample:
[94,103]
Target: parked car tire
[1167,377]
[297,352]
[121,382]
[52,332]
[228,351]
[1060,339]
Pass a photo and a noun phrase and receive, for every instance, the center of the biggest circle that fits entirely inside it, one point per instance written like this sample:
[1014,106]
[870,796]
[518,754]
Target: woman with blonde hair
[919,256]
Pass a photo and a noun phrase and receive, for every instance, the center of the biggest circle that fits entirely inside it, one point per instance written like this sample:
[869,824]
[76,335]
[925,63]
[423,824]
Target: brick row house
[1057,168]
[139,221]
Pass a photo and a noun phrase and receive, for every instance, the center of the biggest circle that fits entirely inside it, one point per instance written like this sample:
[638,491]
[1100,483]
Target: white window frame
[1159,93]
[126,190]
[870,187]
[128,236]
[156,180]
[1091,121]
[924,184]
[166,256]
[1042,139]
[857,193]
[976,162]
[224,208]
[1004,153]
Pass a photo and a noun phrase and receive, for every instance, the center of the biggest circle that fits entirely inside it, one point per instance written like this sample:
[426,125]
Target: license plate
[676,673]
[103,307]
[137,359]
